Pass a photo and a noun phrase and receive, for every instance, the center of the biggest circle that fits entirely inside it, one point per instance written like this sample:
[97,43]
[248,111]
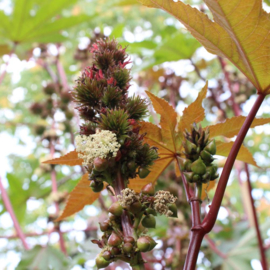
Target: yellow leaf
[194,112]
[232,126]
[80,196]
[207,187]
[70,159]
[168,120]
[224,148]
[239,32]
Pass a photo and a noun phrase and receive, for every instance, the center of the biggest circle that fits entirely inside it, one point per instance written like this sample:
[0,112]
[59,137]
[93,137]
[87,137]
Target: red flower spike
[94,48]
[112,81]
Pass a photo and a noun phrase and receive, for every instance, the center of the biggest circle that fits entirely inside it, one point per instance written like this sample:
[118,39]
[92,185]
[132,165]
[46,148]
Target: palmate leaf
[239,32]
[70,159]
[23,26]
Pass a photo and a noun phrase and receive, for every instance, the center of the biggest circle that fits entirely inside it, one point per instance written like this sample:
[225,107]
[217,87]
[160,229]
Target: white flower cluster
[97,145]
[128,197]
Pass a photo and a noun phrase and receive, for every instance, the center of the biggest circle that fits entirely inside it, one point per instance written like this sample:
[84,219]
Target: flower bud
[114,240]
[106,255]
[104,225]
[116,209]
[196,178]
[129,239]
[184,163]
[206,156]
[172,207]
[132,165]
[189,176]
[153,243]
[198,167]
[143,244]
[101,262]
[96,186]
[100,164]
[149,189]
[149,221]
[211,147]
[127,248]
[151,211]
[212,170]
[115,251]
[135,208]
[190,147]
[143,172]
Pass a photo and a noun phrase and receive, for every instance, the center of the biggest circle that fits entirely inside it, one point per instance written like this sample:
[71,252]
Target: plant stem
[10,210]
[198,231]
[214,248]
[211,217]
[260,242]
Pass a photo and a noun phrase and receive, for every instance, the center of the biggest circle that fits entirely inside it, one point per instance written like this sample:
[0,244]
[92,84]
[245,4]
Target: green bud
[114,240]
[106,255]
[151,211]
[206,156]
[115,251]
[143,172]
[153,243]
[149,189]
[205,178]
[101,262]
[116,209]
[190,147]
[143,244]
[189,176]
[149,221]
[132,166]
[129,239]
[96,186]
[100,164]
[196,178]
[212,170]
[135,208]
[127,248]
[173,208]
[211,147]
[198,167]
[104,225]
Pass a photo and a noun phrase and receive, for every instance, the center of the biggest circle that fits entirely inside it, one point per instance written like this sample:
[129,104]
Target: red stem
[199,231]
[211,217]
[9,208]
[260,242]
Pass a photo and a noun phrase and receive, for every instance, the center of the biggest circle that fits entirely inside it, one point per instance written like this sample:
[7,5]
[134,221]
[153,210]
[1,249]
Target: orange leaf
[80,196]
[207,187]
[194,112]
[232,126]
[168,120]
[224,148]
[239,32]
[159,166]
[70,159]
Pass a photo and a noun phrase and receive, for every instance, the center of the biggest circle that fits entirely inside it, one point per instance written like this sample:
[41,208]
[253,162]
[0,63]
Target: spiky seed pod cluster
[197,163]
[103,103]
[142,208]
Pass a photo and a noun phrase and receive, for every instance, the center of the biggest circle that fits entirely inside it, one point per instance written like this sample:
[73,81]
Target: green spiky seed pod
[136,107]
[149,221]
[198,167]
[148,189]
[101,262]
[143,172]
[114,240]
[116,209]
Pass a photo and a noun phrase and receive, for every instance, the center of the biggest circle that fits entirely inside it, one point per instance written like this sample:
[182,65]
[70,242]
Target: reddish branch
[258,232]
[198,231]
[9,208]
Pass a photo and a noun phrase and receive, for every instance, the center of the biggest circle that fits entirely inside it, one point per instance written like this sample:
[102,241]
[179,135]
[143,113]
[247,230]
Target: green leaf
[43,258]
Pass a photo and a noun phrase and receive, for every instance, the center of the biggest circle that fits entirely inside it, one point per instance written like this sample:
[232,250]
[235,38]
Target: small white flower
[100,145]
